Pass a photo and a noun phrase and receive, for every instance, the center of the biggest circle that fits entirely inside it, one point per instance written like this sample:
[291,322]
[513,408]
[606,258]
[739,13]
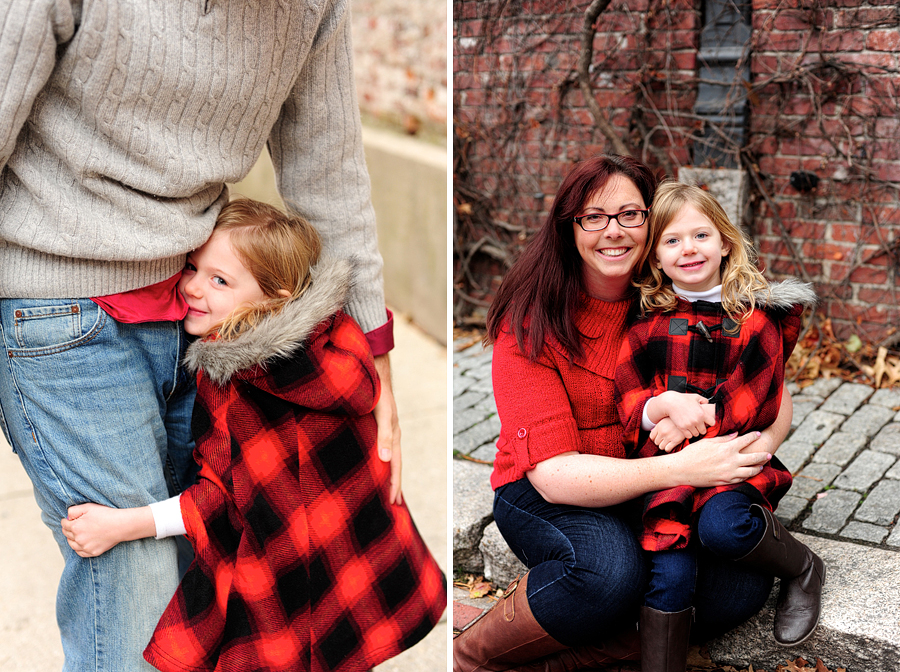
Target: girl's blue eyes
[699,236]
[188,266]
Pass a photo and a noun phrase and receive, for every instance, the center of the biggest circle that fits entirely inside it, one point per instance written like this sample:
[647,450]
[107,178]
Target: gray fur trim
[277,335]
[790,292]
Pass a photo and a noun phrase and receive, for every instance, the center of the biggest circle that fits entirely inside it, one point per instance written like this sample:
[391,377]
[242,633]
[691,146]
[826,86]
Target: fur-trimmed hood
[783,295]
[277,335]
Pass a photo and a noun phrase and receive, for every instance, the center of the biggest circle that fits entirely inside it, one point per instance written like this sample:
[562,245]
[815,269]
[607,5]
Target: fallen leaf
[880,366]
[480,589]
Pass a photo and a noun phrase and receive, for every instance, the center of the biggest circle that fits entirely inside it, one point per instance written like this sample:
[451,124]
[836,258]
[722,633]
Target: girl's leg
[665,623]
[727,527]
[587,571]
[673,575]
[727,593]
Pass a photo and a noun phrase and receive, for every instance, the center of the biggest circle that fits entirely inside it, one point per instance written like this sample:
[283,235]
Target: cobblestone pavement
[844,452]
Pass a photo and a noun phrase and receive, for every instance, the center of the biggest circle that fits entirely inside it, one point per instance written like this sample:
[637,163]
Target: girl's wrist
[138,523]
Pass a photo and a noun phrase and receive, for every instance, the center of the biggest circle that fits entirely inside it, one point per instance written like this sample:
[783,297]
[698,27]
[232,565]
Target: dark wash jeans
[726,527]
[588,575]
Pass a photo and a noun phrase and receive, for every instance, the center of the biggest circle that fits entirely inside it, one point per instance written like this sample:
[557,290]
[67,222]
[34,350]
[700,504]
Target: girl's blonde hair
[741,279]
[279,250]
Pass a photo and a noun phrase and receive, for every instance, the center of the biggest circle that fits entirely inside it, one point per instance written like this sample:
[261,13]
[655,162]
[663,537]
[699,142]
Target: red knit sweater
[550,405]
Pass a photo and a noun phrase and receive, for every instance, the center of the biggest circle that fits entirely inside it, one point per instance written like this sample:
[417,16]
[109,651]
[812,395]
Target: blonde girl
[301,562]
[706,358]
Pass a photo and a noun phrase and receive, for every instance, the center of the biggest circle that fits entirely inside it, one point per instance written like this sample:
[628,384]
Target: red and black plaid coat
[300,562]
[693,349]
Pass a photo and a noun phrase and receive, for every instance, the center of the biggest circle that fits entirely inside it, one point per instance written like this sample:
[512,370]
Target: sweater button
[522,433]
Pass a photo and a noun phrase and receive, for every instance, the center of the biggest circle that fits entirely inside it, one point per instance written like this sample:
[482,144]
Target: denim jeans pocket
[54,327]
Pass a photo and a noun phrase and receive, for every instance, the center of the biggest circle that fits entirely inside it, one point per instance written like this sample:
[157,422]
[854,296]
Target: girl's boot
[802,575]
[507,635]
[664,639]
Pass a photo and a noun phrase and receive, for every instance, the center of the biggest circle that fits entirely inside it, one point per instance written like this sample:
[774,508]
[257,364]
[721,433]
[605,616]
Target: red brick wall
[824,97]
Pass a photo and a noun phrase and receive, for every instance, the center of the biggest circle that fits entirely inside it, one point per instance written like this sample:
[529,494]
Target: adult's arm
[596,481]
[317,151]
[30,33]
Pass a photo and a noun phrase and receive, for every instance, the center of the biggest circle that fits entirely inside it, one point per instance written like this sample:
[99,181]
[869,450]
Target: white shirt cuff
[167,517]
[646,424]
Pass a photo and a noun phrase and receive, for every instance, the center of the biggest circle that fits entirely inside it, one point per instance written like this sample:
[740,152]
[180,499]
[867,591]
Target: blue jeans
[588,575]
[99,411]
[725,527]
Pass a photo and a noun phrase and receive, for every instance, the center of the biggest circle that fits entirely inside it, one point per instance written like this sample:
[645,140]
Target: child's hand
[666,435]
[93,529]
[691,413]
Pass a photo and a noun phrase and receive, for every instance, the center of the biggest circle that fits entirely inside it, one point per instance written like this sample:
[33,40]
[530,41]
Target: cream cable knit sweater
[120,122]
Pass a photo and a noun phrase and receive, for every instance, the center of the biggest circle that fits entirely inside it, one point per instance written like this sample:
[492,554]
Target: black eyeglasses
[598,221]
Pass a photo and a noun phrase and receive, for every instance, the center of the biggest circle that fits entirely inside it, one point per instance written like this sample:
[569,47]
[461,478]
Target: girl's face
[690,251]
[609,256]
[215,282]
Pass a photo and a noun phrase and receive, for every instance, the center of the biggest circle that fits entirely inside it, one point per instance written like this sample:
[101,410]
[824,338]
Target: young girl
[300,561]
[707,357]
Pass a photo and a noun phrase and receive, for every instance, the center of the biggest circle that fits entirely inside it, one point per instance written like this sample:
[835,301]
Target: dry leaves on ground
[699,661]
[819,354]
[476,585]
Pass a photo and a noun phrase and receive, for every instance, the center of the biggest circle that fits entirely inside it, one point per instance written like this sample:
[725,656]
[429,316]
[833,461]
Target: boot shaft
[664,639]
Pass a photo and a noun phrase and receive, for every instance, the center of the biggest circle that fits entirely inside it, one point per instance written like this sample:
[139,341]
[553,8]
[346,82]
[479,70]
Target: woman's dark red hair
[545,283]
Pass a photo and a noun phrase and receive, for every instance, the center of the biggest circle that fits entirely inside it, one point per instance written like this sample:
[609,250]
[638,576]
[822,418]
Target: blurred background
[401,72]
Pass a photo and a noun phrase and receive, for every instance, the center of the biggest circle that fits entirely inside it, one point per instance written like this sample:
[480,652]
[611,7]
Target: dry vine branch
[584,77]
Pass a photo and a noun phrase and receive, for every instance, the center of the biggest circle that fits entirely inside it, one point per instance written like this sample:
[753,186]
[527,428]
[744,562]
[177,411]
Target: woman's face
[609,256]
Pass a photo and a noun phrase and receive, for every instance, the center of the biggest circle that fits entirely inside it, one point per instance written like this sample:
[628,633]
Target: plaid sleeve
[636,378]
[751,396]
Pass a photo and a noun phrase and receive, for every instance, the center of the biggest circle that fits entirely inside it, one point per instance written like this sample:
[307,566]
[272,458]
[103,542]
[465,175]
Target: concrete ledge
[859,629]
[409,193]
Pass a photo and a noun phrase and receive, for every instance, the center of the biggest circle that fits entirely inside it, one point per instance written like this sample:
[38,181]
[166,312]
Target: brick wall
[400,61]
[824,97]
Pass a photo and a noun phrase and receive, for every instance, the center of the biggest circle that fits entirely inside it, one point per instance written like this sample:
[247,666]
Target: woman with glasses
[564,495]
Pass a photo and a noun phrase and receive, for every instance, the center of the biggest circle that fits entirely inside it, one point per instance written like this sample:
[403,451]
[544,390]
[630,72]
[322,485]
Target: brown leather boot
[618,648]
[664,639]
[507,635]
[802,575]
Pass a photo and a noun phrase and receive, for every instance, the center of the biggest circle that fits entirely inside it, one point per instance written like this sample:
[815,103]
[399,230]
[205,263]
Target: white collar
[713,295]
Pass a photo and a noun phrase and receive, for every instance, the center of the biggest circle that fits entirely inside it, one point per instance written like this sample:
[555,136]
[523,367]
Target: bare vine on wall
[812,97]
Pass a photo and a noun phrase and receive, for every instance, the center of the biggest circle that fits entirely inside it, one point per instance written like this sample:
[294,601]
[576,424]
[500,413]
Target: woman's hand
[93,529]
[722,460]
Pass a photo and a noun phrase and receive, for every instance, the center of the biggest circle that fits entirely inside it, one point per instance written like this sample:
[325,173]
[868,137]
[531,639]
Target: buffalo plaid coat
[300,562]
[696,349]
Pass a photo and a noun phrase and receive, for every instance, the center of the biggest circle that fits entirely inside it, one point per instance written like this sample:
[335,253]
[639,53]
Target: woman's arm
[596,481]
[774,434]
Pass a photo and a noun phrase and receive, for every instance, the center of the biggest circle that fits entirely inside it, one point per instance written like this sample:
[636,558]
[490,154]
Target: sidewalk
[843,451]
[30,564]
